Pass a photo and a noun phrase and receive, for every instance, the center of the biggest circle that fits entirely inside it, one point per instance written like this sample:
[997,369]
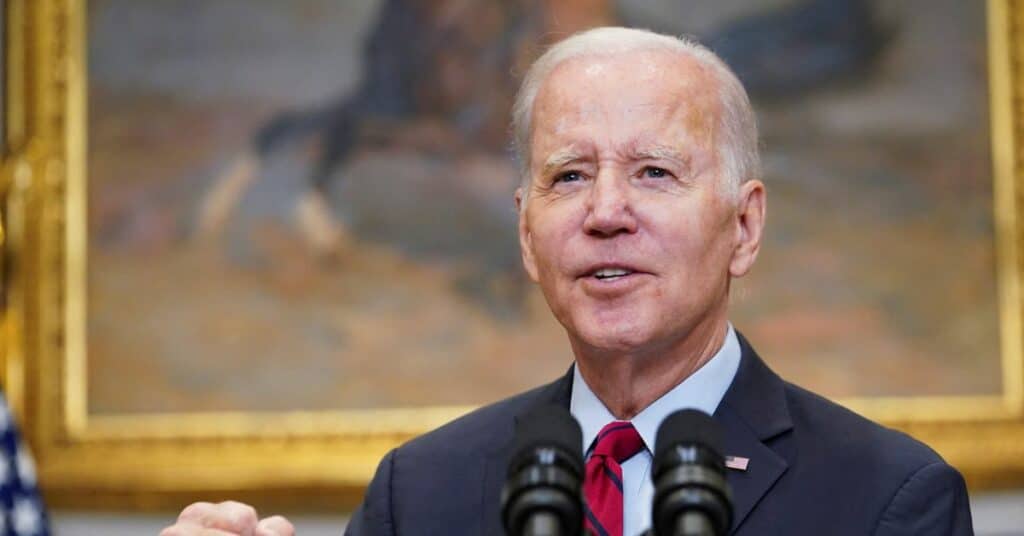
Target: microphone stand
[694,524]
[543,524]
[689,524]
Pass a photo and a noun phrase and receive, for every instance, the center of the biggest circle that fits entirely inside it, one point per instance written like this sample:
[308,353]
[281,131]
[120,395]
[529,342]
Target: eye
[655,172]
[568,176]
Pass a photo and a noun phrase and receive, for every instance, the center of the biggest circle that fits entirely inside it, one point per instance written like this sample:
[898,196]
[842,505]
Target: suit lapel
[496,462]
[753,412]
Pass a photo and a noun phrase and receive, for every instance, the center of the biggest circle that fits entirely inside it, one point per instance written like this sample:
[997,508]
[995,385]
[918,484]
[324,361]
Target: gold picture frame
[326,458]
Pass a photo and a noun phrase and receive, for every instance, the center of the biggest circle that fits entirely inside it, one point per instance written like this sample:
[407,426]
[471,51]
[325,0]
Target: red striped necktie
[617,442]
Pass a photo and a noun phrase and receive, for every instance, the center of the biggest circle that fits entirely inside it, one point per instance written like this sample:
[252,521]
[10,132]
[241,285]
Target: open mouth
[612,274]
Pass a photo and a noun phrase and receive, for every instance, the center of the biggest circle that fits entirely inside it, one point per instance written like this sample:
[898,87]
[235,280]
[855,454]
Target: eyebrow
[560,158]
[569,155]
[656,152]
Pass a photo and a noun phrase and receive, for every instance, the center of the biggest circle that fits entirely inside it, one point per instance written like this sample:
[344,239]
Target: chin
[622,335]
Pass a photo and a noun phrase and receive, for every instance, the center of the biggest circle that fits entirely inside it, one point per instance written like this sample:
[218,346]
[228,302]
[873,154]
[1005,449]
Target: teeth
[611,272]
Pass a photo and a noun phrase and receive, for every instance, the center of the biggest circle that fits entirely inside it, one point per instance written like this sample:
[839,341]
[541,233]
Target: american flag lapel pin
[738,463]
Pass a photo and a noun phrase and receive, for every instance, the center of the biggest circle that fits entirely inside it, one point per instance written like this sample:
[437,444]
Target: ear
[750,218]
[525,239]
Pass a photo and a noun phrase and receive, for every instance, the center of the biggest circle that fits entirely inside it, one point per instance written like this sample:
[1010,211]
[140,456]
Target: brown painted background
[877,277]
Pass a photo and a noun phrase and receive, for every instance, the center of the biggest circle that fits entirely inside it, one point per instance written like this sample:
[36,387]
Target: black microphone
[691,494]
[542,496]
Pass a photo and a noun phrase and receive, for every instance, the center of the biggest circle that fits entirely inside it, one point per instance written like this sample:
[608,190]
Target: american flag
[21,508]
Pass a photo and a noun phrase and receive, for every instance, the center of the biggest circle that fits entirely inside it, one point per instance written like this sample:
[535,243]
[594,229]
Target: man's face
[628,226]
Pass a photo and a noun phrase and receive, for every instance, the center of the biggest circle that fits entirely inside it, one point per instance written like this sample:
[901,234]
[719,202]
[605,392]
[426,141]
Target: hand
[228,518]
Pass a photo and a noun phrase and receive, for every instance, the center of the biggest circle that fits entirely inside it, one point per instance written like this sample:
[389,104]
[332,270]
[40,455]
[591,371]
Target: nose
[609,210]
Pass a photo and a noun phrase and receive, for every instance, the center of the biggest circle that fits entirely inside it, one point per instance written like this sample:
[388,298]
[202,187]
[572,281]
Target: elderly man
[640,203]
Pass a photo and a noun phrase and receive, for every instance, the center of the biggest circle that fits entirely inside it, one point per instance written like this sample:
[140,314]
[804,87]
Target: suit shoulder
[864,476]
[454,460]
[484,428]
[842,435]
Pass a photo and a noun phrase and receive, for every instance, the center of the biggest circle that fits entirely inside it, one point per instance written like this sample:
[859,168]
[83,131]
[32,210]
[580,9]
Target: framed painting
[248,263]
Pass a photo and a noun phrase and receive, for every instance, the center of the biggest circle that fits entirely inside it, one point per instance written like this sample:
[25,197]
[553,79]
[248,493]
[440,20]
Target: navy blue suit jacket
[815,469]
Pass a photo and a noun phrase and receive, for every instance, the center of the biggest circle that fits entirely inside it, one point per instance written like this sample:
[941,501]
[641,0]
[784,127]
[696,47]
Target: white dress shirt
[703,390]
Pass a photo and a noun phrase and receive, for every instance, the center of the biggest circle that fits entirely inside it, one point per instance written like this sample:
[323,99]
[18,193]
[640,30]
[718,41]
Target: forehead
[634,95]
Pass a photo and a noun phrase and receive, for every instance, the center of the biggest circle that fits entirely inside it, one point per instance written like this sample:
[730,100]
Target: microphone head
[690,484]
[688,427]
[548,426]
[545,474]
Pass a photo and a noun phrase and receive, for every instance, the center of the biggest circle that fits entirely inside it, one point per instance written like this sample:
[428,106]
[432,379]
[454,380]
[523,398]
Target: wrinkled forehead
[629,93]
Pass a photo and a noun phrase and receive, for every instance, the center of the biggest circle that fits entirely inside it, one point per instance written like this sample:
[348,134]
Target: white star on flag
[26,469]
[25,517]
[5,468]
[5,416]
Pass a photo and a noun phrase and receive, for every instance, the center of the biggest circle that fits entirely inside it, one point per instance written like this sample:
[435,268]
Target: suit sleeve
[932,501]
[374,516]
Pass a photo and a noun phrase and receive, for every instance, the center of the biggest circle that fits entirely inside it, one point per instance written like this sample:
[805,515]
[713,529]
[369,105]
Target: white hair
[737,149]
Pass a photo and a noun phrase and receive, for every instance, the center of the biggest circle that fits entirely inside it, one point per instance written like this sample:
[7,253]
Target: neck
[629,381]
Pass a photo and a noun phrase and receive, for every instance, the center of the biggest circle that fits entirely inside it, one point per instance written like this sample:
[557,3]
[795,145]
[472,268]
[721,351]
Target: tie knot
[618,440]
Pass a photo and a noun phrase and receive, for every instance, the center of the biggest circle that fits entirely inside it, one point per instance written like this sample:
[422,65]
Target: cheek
[554,234]
[697,241]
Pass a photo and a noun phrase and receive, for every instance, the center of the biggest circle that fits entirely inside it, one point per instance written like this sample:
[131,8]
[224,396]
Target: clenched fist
[228,518]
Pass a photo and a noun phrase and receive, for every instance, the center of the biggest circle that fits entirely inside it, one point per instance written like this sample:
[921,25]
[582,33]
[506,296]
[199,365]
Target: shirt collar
[702,390]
